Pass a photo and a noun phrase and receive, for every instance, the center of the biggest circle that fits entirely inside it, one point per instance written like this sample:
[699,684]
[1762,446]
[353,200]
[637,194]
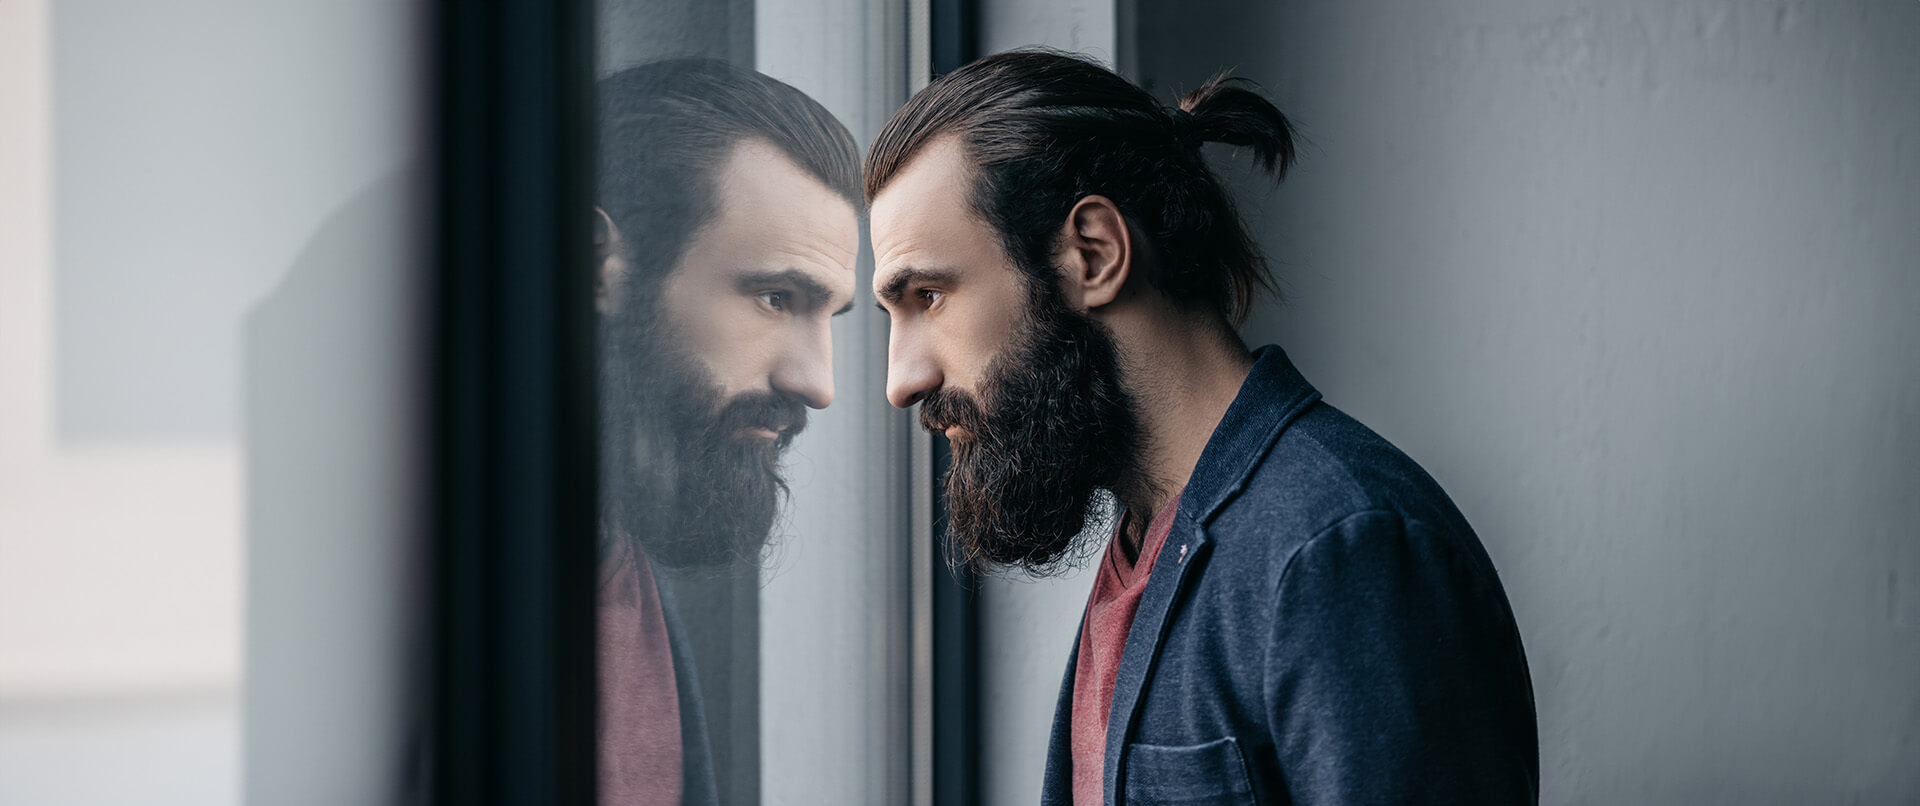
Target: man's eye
[930,296]
[776,300]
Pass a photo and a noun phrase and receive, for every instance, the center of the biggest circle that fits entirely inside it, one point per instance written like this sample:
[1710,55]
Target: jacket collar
[1271,397]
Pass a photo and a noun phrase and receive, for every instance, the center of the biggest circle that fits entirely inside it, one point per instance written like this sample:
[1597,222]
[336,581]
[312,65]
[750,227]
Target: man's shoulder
[1323,470]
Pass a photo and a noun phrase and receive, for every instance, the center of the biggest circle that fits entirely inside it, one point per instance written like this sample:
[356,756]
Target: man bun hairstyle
[1046,129]
[1224,111]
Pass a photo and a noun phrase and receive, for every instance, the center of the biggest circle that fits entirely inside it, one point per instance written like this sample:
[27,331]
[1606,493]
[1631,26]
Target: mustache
[782,414]
[943,408]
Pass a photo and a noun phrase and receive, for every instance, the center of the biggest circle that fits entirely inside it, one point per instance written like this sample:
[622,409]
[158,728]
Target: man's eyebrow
[896,286]
[816,292]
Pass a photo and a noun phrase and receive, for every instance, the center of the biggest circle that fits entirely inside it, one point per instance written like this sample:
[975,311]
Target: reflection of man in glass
[728,233]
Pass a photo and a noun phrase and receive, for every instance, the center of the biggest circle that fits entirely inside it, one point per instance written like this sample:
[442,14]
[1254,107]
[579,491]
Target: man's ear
[610,262]
[1096,251]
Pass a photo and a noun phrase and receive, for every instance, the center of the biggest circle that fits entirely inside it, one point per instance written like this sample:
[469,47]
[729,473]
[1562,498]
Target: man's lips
[937,420]
[758,432]
[952,431]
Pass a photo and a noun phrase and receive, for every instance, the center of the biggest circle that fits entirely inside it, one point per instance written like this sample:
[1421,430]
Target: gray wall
[209,488]
[1639,283]
[165,237]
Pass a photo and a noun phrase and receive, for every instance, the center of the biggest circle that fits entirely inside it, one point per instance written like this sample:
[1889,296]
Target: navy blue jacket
[1334,634]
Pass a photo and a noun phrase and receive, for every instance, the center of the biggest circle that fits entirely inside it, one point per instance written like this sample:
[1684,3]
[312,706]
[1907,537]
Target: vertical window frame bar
[953,40]
[515,457]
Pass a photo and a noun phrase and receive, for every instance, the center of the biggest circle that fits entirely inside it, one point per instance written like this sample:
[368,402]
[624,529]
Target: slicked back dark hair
[666,128]
[1045,129]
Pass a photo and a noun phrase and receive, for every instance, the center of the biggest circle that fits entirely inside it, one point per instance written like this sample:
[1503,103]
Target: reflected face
[1028,390]
[737,345]
[753,295]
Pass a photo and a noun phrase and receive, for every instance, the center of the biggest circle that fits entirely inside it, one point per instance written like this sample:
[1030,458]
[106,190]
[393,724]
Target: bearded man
[1290,610]
[727,236]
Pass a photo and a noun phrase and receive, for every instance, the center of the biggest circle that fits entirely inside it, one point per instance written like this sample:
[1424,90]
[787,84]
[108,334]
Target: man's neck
[1184,374]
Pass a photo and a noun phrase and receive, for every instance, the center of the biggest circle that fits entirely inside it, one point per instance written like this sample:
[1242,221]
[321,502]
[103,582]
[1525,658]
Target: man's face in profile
[736,348]
[1027,389]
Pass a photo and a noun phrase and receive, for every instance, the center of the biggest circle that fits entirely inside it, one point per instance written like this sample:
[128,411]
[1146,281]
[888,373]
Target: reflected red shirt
[1103,638]
[639,698]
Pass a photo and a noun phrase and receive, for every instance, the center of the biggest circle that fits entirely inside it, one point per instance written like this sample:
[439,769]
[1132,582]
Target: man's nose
[805,368]
[911,372]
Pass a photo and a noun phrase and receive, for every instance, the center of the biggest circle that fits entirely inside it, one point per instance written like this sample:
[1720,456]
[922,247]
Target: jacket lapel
[1057,786]
[1171,574]
[1273,394]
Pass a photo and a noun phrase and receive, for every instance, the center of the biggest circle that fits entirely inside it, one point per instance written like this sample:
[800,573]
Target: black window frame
[953,32]
[515,445]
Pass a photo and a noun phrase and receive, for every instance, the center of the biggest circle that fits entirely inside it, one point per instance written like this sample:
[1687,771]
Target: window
[736,310]
[304,493]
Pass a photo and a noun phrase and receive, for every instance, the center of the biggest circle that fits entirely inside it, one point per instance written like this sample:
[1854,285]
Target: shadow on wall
[336,381]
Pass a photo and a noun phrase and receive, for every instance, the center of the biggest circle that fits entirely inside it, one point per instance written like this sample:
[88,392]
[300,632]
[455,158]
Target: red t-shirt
[639,698]
[1103,637]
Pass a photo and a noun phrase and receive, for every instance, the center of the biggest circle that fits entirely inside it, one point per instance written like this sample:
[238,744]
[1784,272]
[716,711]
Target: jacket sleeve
[1395,672]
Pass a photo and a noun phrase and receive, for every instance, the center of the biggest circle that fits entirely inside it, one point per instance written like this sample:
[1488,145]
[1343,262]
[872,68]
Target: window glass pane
[754,590]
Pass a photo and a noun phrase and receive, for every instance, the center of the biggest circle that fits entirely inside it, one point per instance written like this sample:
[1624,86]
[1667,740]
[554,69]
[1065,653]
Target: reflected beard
[1054,425]
[681,479]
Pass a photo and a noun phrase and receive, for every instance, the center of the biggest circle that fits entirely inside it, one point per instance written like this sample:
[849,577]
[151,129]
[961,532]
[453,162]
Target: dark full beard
[1053,426]
[679,479]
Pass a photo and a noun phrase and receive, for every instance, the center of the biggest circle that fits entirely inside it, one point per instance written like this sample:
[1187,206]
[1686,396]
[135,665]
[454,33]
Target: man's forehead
[926,208]
[770,205]
[761,181]
[931,184]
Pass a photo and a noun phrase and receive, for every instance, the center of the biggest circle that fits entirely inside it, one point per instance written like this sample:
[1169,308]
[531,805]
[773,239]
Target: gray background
[1639,283]
[237,245]
[187,144]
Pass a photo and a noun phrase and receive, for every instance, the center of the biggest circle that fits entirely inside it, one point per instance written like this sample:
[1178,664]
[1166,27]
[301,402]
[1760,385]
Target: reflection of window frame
[512,696]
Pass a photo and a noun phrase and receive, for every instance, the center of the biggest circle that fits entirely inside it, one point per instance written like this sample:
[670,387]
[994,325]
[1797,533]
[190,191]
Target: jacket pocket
[1166,775]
